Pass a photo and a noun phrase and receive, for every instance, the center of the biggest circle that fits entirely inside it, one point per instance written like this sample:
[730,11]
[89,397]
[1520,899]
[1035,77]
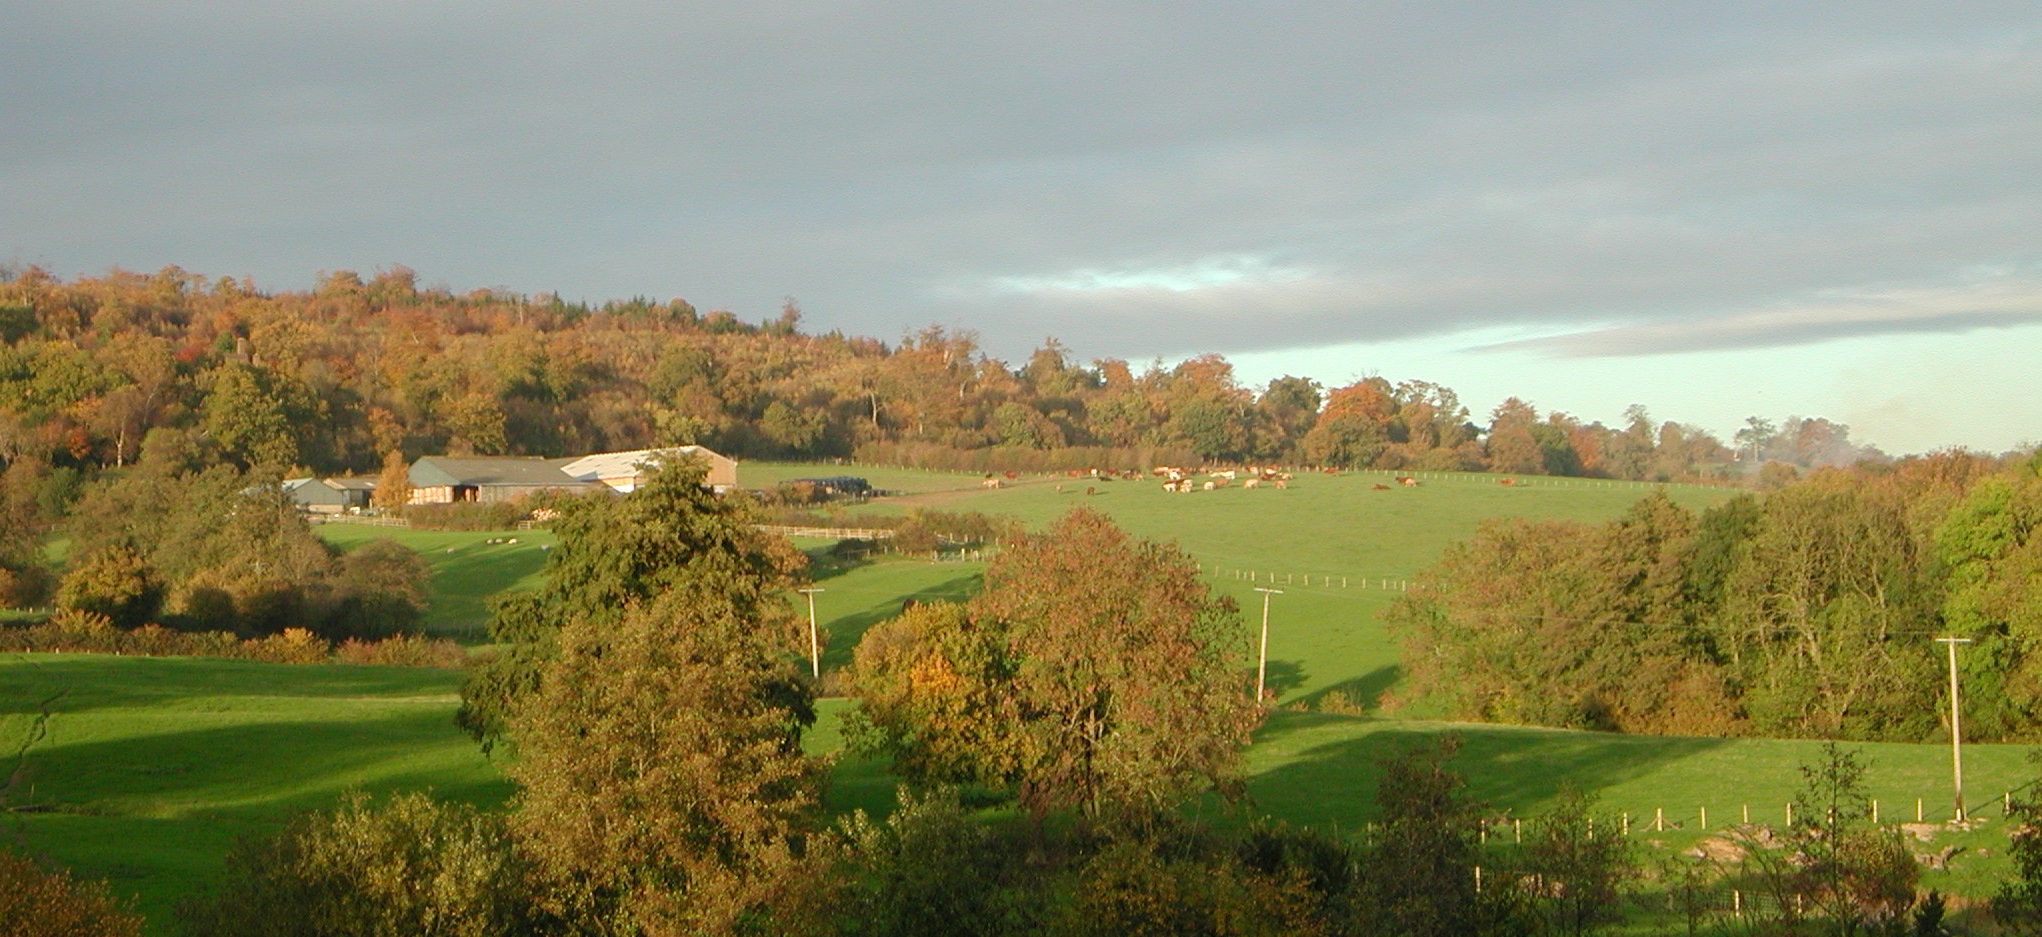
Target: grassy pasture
[150,768]
[155,766]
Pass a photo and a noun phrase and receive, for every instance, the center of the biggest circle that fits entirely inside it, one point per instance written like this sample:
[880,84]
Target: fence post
[1790,814]
[1705,819]
[1658,820]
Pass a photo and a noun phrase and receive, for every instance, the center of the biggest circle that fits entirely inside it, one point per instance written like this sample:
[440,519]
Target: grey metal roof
[434,470]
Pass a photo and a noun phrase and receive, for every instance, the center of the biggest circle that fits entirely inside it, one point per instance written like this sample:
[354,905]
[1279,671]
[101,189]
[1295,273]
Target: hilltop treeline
[1813,612]
[335,379]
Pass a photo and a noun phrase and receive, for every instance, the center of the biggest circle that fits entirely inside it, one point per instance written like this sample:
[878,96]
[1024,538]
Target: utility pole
[1956,727]
[814,647]
[1262,661]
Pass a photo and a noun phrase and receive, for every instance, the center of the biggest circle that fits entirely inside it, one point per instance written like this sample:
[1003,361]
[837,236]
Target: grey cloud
[2000,303]
[1418,170]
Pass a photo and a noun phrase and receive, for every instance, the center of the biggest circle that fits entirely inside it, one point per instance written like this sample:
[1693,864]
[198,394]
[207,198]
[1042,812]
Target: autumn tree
[1990,547]
[1094,671]
[660,769]
[1418,860]
[393,484]
[1568,624]
[1354,429]
[1819,612]
[616,554]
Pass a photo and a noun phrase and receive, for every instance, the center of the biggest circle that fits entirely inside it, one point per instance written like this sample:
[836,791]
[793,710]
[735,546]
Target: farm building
[330,495]
[447,479]
[622,470]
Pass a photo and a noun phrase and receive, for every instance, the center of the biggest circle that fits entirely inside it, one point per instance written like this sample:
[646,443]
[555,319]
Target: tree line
[1812,612]
[338,378]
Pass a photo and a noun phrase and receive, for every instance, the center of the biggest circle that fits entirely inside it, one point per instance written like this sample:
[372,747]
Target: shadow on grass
[264,768]
[1284,676]
[1364,690]
[1321,770]
[465,577]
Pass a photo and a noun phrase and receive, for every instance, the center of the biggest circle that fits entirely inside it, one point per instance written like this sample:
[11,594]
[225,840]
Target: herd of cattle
[1181,480]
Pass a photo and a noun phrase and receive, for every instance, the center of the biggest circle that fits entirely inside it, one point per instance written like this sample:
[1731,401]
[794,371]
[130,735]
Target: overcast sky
[1715,210]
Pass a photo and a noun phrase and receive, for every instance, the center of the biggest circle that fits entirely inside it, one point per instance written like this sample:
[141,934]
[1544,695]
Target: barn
[489,479]
[621,471]
[330,495]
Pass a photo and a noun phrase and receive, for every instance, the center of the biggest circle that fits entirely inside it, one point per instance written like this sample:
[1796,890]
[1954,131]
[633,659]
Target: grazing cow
[990,483]
[1252,483]
[1091,490]
[1282,484]
[1508,481]
[1011,476]
[1208,486]
[1382,487]
[1407,481]
[1228,474]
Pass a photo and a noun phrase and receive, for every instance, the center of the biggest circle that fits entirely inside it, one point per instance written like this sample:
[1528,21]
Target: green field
[466,568]
[152,767]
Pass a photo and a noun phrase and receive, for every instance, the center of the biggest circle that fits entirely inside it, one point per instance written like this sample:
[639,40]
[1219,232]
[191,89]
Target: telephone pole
[1262,661]
[1956,727]
[814,647]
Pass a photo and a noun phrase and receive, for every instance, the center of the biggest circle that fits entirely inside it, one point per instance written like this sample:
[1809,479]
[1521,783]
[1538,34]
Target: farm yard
[145,770]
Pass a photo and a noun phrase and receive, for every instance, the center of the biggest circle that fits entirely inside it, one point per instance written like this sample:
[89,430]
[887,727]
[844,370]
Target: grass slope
[150,768]
[466,568]
[1321,770]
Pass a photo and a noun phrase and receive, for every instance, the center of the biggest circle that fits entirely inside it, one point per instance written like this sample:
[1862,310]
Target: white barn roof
[619,465]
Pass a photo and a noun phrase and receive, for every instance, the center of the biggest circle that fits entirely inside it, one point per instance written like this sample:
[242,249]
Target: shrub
[404,650]
[293,646]
[39,902]
[411,865]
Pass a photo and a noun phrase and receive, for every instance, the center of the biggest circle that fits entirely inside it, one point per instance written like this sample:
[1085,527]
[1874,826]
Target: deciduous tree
[1094,671]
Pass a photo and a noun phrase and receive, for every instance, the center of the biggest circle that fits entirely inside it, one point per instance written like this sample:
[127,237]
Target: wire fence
[1271,577]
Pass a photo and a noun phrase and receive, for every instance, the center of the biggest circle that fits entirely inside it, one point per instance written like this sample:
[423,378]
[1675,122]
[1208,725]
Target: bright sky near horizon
[1716,210]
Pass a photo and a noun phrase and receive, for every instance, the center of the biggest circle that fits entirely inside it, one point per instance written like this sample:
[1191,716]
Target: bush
[293,646]
[26,587]
[404,650]
[39,902]
[78,632]
[409,866]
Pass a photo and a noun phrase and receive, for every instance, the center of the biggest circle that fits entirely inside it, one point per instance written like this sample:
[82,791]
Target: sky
[1716,210]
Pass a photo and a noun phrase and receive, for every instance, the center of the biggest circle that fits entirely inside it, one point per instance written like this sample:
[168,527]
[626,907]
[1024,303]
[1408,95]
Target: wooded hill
[335,379]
